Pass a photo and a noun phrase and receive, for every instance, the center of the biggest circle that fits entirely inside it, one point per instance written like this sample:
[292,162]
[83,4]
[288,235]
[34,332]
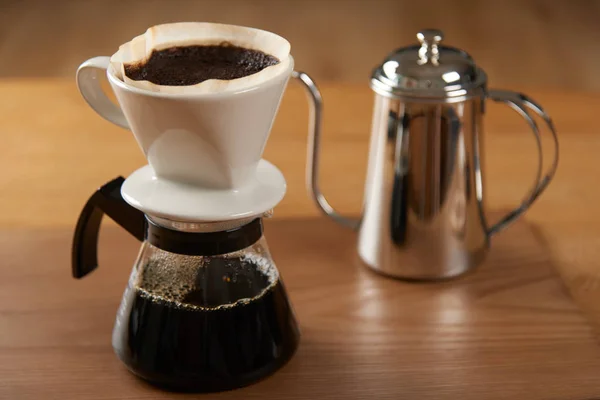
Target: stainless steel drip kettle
[423,215]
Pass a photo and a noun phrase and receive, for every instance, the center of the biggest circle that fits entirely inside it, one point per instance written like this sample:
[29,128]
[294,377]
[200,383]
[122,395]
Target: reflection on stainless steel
[421,220]
[424,213]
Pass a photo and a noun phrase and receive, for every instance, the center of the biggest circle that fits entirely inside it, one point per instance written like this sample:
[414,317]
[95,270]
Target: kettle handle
[106,200]
[314,144]
[521,104]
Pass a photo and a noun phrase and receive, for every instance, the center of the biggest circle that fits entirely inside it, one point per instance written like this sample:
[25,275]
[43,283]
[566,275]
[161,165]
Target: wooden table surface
[536,342]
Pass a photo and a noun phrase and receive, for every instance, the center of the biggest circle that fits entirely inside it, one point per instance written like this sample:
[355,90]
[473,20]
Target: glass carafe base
[206,349]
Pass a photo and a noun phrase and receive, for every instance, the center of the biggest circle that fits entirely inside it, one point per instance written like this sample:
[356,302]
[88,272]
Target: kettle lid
[428,70]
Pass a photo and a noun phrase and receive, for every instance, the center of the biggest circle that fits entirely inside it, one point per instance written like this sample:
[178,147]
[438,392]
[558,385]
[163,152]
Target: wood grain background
[541,43]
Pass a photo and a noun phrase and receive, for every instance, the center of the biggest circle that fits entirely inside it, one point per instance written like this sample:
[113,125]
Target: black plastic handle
[107,200]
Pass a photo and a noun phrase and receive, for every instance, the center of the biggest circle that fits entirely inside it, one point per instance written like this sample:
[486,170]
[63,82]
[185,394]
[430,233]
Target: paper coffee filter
[161,37]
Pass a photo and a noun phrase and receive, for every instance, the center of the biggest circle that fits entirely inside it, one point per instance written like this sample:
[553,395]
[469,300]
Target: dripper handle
[88,81]
[107,200]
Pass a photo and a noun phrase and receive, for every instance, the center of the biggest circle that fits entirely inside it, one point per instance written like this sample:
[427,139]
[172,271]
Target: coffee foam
[181,34]
[167,278]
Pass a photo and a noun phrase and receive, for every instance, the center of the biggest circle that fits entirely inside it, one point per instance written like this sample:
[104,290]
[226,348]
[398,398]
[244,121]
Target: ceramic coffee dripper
[213,136]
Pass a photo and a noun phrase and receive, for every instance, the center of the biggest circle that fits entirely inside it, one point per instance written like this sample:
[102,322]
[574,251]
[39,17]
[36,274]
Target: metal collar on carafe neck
[205,226]
[429,71]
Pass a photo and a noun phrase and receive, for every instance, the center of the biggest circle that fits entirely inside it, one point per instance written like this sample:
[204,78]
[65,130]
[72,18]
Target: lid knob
[429,70]
[429,52]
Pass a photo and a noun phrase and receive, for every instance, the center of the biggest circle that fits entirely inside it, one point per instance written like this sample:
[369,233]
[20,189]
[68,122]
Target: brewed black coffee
[231,326]
[190,65]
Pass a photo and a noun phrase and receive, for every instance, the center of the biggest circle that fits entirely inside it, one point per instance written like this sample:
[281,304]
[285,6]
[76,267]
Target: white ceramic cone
[212,134]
